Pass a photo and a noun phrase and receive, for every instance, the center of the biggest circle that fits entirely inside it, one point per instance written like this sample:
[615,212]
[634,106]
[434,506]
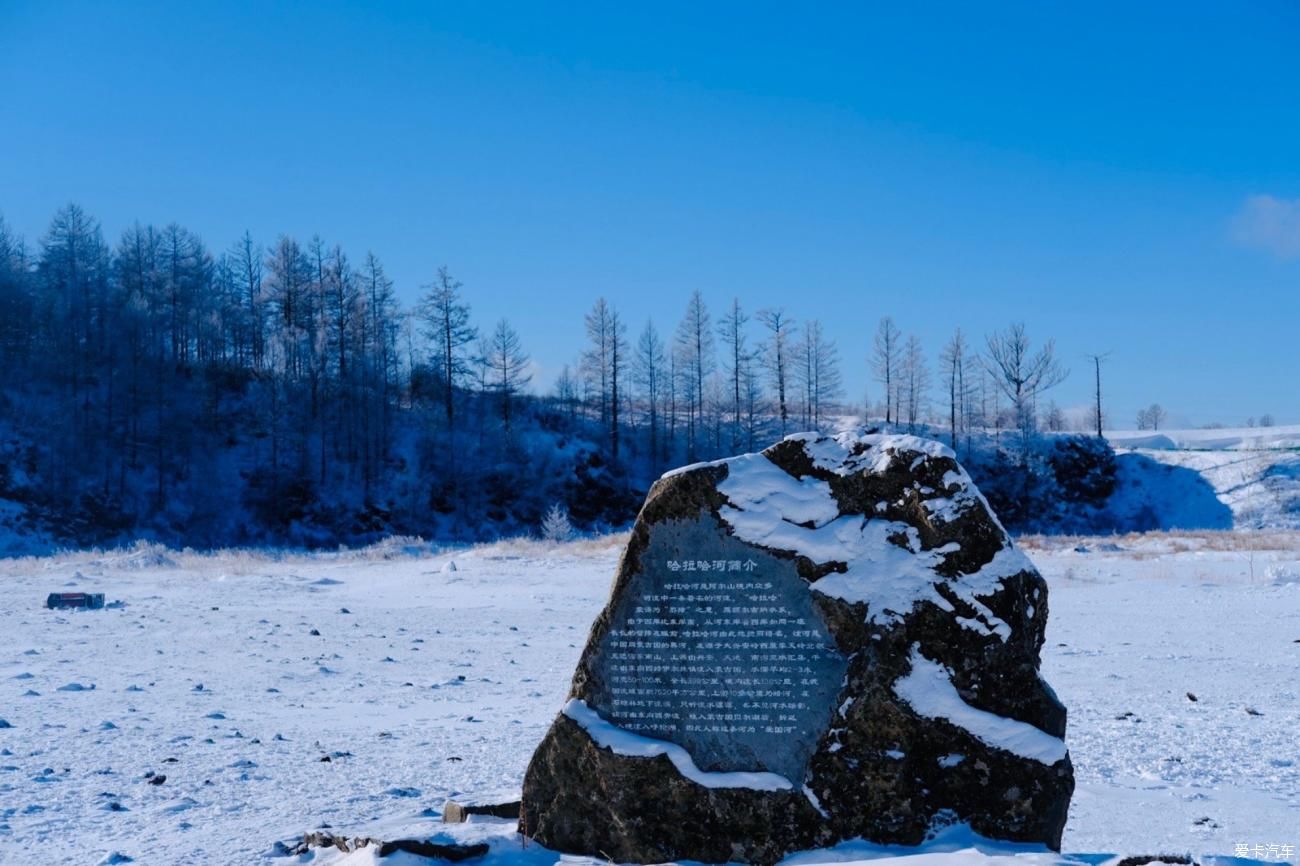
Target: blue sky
[1122,177]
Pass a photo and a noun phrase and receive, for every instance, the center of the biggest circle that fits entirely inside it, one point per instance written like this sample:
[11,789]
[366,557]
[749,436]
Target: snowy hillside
[1252,472]
[360,690]
[1210,439]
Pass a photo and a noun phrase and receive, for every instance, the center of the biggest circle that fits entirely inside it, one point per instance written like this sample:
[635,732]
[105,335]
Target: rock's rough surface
[832,639]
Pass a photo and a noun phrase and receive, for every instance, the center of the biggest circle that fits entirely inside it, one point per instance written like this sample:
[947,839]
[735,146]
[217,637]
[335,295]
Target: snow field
[426,683]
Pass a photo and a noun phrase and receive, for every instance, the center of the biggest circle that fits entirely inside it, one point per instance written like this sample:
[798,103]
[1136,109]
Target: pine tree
[776,352]
[447,326]
[954,362]
[648,374]
[732,331]
[596,359]
[507,364]
[555,524]
[694,348]
[885,361]
[914,381]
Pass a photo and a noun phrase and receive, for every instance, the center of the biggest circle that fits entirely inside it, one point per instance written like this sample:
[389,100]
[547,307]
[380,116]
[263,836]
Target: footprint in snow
[77,687]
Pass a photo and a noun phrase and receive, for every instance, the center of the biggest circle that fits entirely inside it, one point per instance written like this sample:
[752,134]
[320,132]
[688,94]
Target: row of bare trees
[707,390]
[141,375]
[134,351]
[157,364]
[973,384]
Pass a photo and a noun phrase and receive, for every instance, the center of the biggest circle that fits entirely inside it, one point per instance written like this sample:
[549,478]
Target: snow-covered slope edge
[1254,472]
[1210,439]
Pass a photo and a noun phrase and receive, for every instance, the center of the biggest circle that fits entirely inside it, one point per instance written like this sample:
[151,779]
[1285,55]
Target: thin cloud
[1269,223]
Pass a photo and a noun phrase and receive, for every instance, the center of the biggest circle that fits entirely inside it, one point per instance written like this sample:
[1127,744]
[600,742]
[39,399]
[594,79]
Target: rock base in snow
[419,847]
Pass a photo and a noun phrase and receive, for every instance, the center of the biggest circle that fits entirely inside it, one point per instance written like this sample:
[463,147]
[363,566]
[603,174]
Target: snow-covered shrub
[1009,483]
[555,525]
[1061,484]
[1284,574]
[600,493]
[1084,467]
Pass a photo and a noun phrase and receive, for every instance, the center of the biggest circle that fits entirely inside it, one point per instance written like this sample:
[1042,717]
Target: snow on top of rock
[875,450]
[769,507]
[888,578]
[928,689]
[835,453]
[691,467]
[759,487]
[624,742]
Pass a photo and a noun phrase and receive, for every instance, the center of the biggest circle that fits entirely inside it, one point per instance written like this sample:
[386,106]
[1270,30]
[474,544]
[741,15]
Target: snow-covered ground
[425,683]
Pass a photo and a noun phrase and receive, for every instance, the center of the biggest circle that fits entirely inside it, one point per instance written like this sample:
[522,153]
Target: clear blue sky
[1123,177]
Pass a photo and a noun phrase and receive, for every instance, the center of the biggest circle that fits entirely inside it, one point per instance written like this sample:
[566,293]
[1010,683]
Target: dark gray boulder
[829,640]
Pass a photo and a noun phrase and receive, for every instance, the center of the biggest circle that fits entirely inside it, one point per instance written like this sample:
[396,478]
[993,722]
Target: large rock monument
[832,639]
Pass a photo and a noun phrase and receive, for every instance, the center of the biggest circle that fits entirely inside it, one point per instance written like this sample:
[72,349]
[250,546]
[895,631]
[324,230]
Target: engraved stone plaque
[716,645]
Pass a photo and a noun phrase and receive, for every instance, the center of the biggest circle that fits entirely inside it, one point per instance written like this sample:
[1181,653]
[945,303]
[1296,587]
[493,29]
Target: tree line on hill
[155,386]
